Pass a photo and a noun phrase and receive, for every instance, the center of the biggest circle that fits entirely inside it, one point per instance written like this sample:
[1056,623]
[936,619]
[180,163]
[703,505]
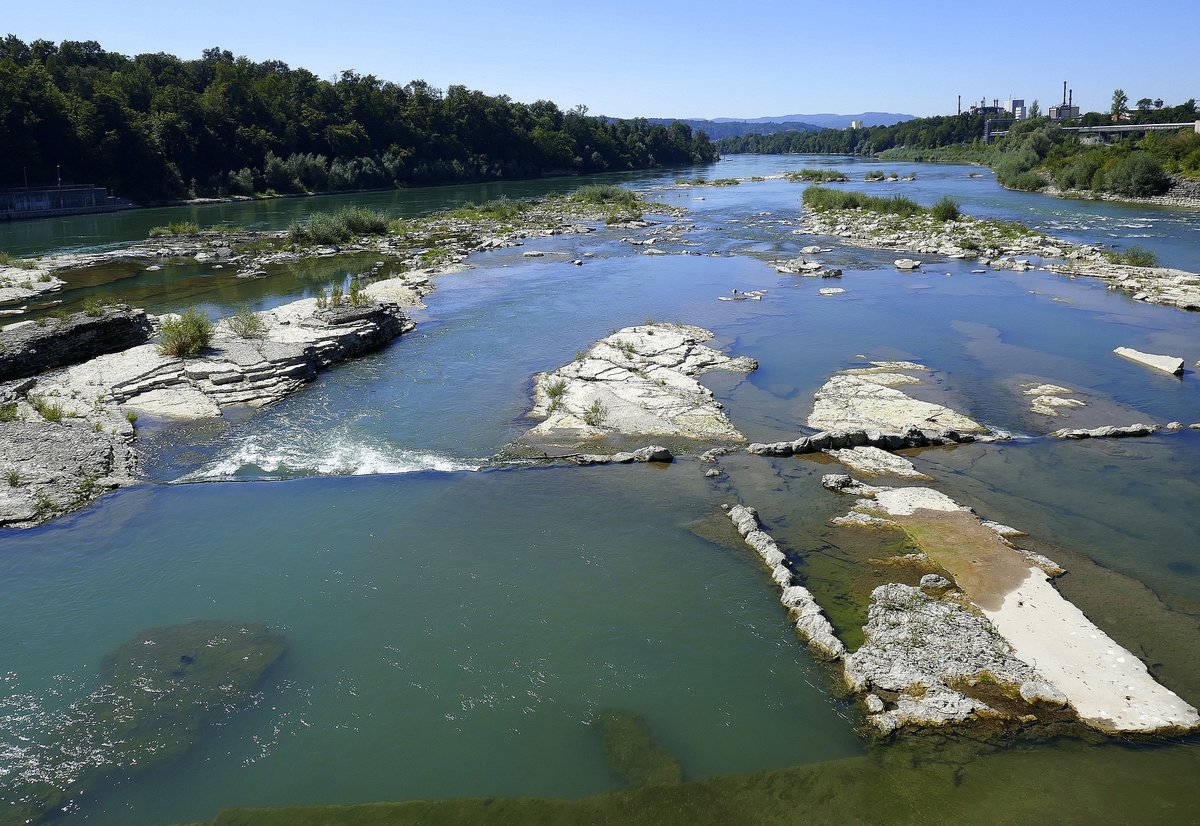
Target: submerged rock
[633,753]
[158,688]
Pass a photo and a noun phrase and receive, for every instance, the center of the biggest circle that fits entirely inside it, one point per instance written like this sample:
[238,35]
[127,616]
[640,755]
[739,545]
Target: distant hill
[717,129]
[827,121]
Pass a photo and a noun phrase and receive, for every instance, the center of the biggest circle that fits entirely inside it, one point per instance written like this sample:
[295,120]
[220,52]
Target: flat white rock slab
[1109,687]
[1168,364]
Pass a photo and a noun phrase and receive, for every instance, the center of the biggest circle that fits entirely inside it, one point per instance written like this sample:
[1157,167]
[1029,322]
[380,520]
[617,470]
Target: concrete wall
[40,202]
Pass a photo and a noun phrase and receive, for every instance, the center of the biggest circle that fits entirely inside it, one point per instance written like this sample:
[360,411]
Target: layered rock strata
[28,348]
[67,435]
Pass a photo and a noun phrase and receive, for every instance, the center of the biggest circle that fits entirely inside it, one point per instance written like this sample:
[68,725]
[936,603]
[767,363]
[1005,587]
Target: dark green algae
[157,690]
[929,780]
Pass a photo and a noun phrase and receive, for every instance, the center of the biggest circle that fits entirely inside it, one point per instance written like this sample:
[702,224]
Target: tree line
[155,127]
[920,132]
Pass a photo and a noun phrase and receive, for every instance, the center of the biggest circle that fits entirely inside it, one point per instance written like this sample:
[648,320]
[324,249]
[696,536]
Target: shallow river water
[455,626]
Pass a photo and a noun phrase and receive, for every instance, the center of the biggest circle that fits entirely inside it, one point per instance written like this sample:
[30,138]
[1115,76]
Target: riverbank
[88,410]
[1002,245]
[69,433]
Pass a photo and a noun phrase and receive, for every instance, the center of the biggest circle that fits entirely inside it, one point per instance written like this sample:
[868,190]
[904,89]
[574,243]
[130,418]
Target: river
[454,627]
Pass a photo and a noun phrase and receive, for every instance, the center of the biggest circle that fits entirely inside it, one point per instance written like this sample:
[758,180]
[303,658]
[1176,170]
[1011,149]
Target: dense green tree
[1120,101]
[155,126]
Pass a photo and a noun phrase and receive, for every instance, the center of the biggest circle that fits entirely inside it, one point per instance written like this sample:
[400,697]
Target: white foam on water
[340,456]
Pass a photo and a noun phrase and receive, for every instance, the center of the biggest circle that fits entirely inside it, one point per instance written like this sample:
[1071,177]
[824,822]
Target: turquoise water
[451,631]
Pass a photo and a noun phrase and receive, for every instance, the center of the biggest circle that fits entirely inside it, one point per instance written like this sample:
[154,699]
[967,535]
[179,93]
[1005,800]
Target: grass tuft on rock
[186,335]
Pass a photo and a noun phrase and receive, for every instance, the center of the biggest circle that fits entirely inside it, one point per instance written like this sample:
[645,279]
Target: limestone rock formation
[639,380]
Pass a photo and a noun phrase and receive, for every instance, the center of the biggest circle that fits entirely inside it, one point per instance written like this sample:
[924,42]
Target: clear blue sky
[666,58]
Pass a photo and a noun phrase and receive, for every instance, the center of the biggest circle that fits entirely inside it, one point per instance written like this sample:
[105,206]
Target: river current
[454,625]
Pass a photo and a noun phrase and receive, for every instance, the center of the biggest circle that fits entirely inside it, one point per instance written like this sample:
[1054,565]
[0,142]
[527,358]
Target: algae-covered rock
[633,753]
[157,690]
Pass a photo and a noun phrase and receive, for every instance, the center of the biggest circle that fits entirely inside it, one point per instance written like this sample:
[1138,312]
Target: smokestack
[960,104]
[1071,99]
[1064,93]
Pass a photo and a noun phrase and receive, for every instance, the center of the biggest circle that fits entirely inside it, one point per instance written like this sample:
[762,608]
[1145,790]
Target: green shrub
[1028,181]
[246,324]
[946,209]
[874,175]
[1079,172]
[500,209]
[131,417]
[594,414]
[1138,175]
[725,182]
[175,228]
[608,195]
[1134,256]
[819,199]
[363,221]
[324,228]
[185,335]
[817,176]
[14,478]
[8,412]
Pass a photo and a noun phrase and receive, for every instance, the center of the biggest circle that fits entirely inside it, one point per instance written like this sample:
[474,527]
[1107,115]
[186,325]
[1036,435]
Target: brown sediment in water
[985,567]
[1110,688]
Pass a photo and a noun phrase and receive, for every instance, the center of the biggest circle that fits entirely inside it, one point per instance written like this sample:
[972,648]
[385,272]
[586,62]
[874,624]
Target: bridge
[998,127]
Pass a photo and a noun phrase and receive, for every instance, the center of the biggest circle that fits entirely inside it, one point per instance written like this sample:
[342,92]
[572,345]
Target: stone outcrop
[811,624]
[51,467]
[872,461]
[28,347]
[918,647]
[645,455]
[67,435]
[868,398]
[1051,400]
[1168,364]
[638,381]
[942,655]
[1005,246]
[22,284]
[298,341]
[839,439]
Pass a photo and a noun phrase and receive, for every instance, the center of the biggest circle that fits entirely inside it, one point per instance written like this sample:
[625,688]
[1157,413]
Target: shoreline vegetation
[1035,155]
[900,224]
[155,127]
